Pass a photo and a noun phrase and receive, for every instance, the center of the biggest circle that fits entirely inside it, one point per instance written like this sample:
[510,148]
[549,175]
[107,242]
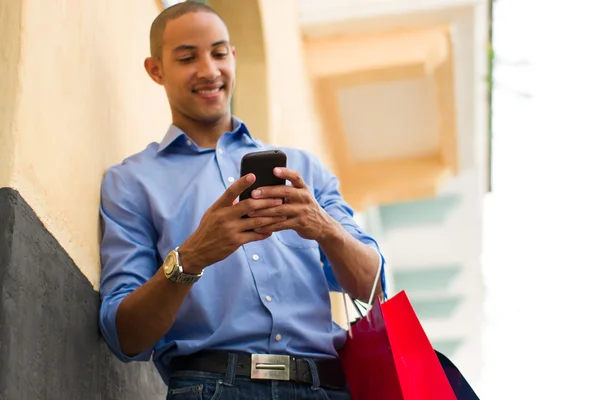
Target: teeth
[208,91]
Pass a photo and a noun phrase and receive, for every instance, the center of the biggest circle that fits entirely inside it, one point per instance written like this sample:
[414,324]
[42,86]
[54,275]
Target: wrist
[332,233]
[190,262]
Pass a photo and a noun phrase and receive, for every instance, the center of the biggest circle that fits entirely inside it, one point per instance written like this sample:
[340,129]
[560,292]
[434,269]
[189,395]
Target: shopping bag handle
[371,297]
[374,288]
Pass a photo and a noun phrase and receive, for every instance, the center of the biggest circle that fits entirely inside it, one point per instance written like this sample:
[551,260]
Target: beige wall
[10,28]
[84,103]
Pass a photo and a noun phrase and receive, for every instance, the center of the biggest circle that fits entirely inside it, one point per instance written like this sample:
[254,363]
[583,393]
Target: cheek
[229,74]
[174,91]
[177,86]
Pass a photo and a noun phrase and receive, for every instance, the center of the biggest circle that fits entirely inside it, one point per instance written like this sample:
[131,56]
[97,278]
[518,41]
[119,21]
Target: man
[189,282]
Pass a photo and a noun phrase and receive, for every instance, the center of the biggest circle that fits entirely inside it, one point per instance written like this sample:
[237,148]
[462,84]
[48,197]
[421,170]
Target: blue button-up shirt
[270,296]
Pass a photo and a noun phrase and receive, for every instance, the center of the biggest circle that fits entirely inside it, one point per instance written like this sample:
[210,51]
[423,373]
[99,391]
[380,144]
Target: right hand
[222,229]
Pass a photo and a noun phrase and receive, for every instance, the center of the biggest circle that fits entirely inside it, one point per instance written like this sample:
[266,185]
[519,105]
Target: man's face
[198,67]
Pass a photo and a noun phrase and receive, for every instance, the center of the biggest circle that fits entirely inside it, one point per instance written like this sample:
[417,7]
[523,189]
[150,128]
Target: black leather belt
[264,366]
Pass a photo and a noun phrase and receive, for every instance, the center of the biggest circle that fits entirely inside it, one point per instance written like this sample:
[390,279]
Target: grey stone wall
[50,342]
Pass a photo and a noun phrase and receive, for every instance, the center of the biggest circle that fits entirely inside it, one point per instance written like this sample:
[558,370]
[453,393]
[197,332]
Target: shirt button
[278,337]
[268,298]
[189,142]
[230,179]
[255,257]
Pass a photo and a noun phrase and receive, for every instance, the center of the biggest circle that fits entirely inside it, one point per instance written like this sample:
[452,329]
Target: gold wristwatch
[174,271]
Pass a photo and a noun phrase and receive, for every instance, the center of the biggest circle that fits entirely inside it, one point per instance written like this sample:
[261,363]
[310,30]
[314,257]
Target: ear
[233,58]
[154,69]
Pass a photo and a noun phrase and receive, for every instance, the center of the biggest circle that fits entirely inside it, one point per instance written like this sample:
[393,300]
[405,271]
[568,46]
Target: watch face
[169,264]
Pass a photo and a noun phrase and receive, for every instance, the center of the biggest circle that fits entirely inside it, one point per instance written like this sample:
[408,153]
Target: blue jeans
[196,385]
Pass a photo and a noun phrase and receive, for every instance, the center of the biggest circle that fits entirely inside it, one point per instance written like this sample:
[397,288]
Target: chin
[211,118]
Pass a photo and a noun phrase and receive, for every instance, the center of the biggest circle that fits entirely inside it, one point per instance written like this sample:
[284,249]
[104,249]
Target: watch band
[178,276]
[185,278]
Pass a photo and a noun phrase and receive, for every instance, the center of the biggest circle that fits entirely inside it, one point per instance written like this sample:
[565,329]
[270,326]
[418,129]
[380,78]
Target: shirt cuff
[108,327]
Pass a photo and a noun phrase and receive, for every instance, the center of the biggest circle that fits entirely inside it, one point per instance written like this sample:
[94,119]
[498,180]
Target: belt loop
[231,369]
[314,372]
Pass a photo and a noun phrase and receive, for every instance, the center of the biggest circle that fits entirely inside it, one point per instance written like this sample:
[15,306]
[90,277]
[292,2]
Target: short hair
[157,29]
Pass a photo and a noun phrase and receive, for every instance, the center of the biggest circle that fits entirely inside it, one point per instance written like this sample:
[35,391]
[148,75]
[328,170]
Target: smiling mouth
[207,91]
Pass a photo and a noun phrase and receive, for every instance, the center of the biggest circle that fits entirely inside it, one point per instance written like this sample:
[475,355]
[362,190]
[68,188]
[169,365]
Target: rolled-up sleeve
[127,252]
[327,193]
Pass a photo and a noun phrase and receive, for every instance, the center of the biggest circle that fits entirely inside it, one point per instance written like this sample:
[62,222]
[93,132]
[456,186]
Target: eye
[221,55]
[186,59]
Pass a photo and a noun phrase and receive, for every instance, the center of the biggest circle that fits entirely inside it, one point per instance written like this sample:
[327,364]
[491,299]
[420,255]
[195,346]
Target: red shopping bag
[388,356]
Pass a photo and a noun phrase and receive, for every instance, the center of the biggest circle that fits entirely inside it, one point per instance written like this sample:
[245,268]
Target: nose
[207,69]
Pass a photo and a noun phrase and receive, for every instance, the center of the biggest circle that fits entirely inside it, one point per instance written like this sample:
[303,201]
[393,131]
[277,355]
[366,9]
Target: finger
[289,174]
[233,191]
[252,236]
[276,226]
[256,223]
[279,191]
[285,210]
[250,205]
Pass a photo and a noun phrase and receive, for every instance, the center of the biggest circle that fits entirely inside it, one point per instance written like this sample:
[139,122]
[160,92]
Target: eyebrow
[184,47]
[219,43]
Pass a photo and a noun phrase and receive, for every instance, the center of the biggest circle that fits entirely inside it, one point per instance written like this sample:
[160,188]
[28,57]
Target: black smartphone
[261,164]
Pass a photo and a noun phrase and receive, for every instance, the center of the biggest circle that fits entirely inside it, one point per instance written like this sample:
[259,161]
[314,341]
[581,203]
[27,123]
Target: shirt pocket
[290,238]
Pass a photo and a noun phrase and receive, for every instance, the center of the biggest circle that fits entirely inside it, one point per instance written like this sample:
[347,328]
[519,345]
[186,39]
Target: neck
[205,134]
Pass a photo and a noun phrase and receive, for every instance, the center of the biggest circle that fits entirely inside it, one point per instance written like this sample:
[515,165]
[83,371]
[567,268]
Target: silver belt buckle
[270,366]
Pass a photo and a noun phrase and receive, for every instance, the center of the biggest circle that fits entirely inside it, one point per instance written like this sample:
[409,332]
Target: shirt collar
[174,133]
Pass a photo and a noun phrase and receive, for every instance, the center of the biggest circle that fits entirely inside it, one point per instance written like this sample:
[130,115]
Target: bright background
[542,221]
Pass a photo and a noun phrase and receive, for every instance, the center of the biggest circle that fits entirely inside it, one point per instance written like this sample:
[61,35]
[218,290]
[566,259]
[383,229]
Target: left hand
[303,213]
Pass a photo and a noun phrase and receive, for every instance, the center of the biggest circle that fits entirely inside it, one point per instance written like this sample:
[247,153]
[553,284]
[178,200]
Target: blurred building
[390,94]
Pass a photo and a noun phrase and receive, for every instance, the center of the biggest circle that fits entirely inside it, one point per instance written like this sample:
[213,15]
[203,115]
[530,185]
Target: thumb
[232,193]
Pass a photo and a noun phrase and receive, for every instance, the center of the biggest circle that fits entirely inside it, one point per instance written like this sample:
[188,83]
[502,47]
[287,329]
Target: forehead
[200,29]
